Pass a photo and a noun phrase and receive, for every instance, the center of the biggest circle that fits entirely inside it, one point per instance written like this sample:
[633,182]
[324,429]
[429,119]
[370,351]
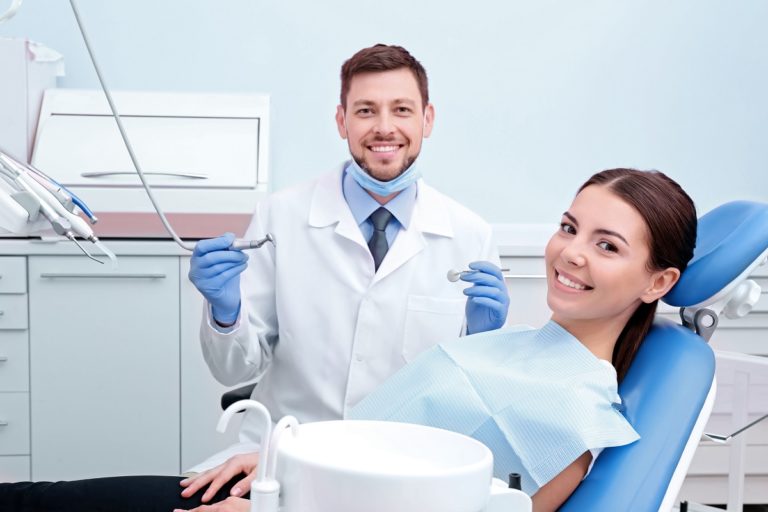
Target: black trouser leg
[115,494]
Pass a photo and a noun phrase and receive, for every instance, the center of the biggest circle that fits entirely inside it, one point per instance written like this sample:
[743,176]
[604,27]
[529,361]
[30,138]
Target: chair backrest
[664,392]
[669,389]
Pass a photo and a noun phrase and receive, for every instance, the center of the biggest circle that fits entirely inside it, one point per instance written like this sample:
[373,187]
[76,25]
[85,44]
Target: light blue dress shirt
[363,205]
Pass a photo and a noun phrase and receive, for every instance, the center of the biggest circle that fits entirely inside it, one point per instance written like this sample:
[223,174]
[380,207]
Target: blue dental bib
[537,398]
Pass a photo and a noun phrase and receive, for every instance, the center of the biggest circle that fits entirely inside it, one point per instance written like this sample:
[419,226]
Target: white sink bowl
[378,466]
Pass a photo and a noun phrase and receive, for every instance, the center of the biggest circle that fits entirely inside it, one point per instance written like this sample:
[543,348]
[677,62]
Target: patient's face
[596,262]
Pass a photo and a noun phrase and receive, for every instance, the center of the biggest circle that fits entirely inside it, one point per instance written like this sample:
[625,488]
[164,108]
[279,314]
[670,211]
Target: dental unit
[33,194]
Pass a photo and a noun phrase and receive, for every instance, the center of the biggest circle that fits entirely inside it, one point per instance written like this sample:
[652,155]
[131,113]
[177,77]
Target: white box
[28,69]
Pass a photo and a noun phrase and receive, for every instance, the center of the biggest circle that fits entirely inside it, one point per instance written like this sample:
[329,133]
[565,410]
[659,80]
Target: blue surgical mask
[384,188]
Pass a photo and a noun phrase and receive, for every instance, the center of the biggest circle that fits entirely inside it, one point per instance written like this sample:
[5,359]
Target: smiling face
[597,265]
[384,121]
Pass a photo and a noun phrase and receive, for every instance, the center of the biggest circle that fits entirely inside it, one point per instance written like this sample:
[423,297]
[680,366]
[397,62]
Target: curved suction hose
[265,490]
[284,423]
[266,419]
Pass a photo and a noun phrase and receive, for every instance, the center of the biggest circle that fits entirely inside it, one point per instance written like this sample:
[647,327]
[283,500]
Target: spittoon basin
[379,466]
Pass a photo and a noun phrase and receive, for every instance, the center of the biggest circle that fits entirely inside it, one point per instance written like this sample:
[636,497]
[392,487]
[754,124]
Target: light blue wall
[531,97]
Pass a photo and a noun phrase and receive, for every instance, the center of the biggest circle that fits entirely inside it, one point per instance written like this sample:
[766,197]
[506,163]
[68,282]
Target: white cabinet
[101,371]
[14,370]
[104,349]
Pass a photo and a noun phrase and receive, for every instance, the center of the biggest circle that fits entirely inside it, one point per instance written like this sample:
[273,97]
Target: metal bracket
[701,321]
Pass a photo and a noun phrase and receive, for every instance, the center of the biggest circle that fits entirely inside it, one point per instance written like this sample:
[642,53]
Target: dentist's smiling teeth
[570,284]
[383,149]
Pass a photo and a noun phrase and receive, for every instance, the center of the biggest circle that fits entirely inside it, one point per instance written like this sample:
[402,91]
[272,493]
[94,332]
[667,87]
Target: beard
[404,166]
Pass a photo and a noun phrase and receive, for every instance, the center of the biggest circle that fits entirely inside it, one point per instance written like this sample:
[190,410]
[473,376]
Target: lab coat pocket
[429,321]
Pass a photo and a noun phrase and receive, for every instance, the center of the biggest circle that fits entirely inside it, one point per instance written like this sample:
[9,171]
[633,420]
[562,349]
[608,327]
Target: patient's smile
[571,283]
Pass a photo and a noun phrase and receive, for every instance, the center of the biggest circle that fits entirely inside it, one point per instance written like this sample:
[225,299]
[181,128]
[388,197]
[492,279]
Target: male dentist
[355,286]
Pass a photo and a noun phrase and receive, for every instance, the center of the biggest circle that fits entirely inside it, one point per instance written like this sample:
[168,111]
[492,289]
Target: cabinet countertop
[143,235]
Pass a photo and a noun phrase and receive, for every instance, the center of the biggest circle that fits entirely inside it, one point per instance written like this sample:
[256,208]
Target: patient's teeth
[570,284]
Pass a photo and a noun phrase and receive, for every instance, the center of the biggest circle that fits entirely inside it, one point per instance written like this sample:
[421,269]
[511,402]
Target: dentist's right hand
[215,271]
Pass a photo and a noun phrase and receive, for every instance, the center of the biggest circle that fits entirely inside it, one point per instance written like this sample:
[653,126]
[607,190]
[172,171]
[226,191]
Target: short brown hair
[382,57]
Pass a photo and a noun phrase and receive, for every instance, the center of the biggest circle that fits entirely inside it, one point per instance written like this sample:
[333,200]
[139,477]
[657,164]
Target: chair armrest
[233,395]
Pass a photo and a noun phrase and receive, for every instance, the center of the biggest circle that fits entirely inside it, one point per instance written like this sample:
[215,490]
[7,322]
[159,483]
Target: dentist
[355,287]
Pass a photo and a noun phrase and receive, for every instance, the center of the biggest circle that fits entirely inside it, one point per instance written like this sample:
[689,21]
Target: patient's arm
[556,491]
[215,478]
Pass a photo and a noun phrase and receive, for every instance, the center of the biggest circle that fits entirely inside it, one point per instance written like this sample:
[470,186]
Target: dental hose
[237,244]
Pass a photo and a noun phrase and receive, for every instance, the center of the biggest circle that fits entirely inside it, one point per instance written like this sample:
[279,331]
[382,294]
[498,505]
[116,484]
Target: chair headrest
[730,239]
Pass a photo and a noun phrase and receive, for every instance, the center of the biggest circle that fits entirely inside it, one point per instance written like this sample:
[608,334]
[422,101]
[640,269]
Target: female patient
[622,244]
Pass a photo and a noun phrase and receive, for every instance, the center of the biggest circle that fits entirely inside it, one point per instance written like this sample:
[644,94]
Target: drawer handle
[3,423]
[3,359]
[102,174]
[2,312]
[53,275]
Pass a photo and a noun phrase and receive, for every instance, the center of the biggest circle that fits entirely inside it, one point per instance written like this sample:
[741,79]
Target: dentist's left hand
[216,478]
[487,299]
[215,271]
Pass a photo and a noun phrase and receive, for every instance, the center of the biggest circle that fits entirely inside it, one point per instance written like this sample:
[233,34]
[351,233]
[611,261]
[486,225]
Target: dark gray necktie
[378,242]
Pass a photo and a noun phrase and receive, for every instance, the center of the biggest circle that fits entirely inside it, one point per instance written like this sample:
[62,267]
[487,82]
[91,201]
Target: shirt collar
[363,205]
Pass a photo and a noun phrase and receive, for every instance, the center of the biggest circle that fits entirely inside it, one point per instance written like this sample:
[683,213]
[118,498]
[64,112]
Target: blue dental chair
[670,388]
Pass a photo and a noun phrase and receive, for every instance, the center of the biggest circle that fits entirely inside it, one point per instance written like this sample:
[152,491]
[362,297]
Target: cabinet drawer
[14,468]
[14,361]
[175,151]
[14,423]
[13,311]
[13,275]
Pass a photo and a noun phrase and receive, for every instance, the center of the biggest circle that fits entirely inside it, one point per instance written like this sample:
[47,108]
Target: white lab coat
[318,327]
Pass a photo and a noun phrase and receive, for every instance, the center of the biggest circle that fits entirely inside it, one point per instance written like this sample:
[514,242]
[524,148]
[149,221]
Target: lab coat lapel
[430,217]
[329,207]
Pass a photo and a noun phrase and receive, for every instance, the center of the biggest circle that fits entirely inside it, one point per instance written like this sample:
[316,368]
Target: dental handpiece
[242,244]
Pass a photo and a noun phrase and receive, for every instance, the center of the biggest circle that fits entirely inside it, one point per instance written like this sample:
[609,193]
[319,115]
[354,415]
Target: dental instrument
[454,275]
[724,439]
[62,193]
[241,244]
[36,198]
[238,244]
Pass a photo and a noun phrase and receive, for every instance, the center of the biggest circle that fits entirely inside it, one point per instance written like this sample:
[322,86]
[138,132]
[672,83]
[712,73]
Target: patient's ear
[661,282]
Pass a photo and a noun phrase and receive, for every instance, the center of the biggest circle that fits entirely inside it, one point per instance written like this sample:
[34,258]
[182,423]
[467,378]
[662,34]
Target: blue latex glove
[488,299]
[215,272]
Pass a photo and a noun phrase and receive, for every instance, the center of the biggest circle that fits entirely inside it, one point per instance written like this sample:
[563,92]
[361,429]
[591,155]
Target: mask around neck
[384,188]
